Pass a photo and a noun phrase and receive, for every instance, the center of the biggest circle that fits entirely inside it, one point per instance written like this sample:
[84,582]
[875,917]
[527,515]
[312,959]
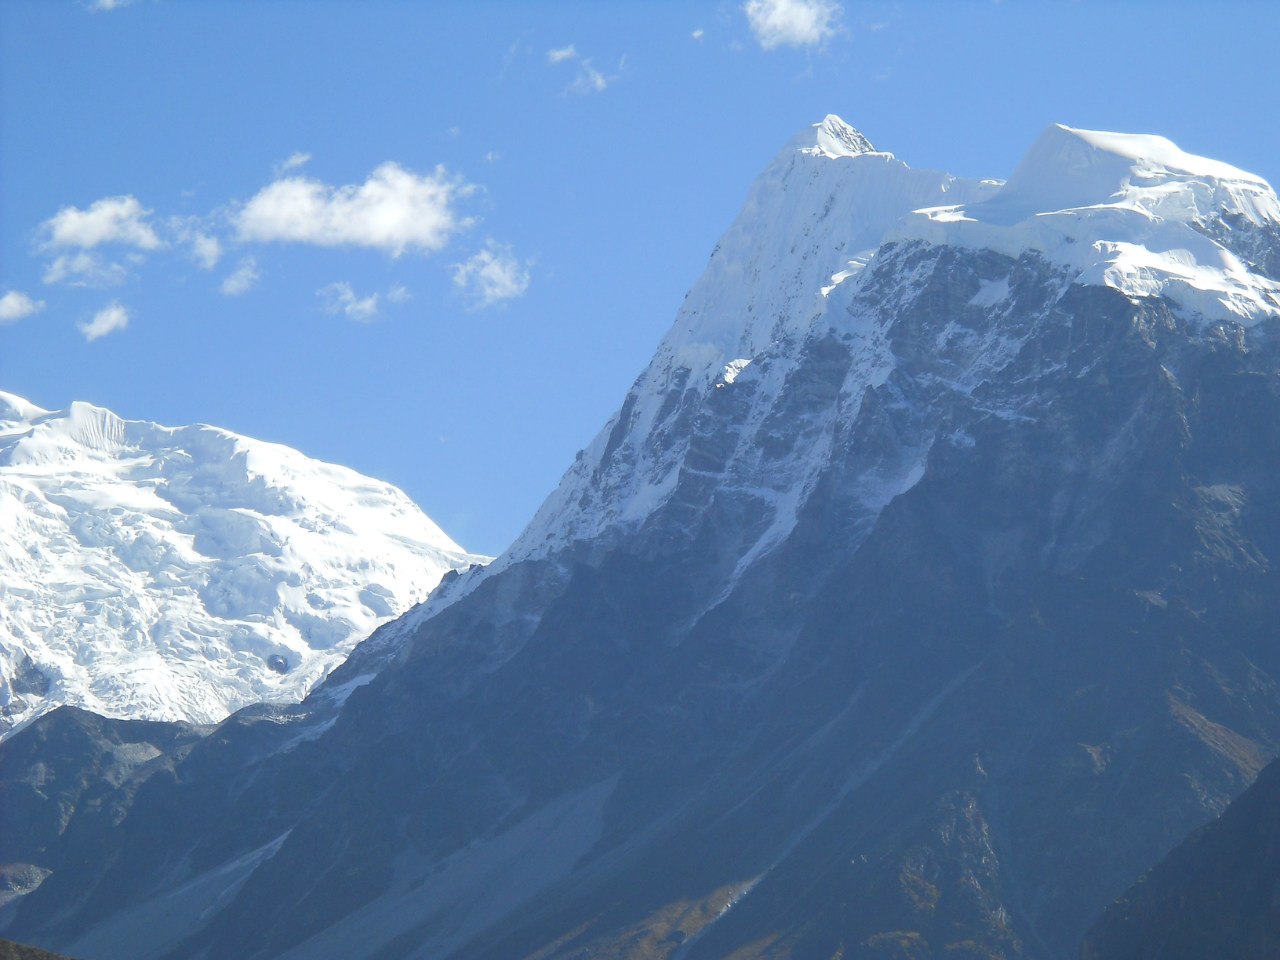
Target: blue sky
[436,242]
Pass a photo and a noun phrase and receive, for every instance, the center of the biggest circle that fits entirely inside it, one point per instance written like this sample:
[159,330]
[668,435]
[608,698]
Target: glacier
[165,573]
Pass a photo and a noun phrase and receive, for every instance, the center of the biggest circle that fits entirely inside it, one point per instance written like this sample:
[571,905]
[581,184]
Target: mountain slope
[917,599]
[1216,895]
[182,573]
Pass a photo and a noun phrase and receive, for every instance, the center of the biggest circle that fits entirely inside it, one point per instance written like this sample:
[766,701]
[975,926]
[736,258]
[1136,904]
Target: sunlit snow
[1132,212]
[183,573]
[1123,211]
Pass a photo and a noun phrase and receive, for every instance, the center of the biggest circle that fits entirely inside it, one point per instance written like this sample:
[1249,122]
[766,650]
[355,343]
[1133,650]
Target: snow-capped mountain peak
[1131,212]
[181,573]
[833,138]
[1067,168]
[811,222]
[1128,211]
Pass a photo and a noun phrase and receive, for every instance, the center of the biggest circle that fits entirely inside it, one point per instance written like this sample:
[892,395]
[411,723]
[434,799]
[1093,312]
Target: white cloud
[109,220]
[399,294]
[191,232]
[492,276]
[393,210]
[16,305]
[84,269]
[698,34]
[340,298]
[242,278]
[206,249]
[296,161]
[589,80]
[109,4]
[107,320]
[794,23]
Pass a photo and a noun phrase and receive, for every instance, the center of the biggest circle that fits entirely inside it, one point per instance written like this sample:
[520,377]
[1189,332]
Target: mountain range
[918,598]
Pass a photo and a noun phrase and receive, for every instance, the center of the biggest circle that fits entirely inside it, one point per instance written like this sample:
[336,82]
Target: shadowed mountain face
[1216,895]
[918,629]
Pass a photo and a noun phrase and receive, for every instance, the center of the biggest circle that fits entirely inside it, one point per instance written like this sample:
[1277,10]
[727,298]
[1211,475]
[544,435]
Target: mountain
[1216,895]
[917,599]
[182,573]
[16,951]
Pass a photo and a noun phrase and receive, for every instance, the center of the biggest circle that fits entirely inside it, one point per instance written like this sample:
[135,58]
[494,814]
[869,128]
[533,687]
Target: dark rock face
[1216,895]
[64,786]
[1018,642]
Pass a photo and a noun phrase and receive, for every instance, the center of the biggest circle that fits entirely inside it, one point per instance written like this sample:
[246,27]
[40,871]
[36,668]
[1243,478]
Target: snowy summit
[1131,212]
[182,573]
[1128,211]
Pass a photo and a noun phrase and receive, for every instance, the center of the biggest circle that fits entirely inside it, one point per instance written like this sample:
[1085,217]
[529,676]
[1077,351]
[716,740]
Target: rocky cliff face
[911,608]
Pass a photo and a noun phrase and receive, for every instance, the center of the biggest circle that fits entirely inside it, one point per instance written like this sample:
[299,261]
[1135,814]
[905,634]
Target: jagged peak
[832,137]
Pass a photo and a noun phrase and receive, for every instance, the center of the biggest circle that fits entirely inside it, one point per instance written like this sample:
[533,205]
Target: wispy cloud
[588,79]
[492,276]
[202,246]
[107,320]
[698,34]
[242,279]
[792,23]
[399,294]
[206,249]
[296,161]
[84,269]
[16,305]
[340,298]
[393,210]
[117,220]
[108,5]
